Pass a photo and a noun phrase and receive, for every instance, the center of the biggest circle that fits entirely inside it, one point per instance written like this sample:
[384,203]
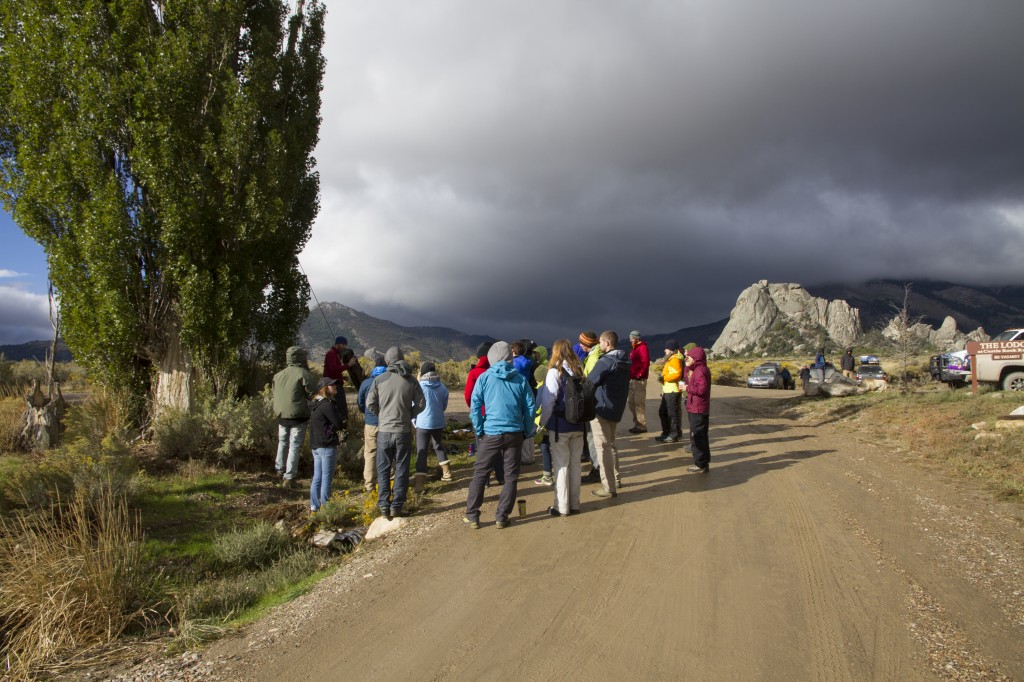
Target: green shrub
[246,426]
[220,600]
[251,548]
[178,434]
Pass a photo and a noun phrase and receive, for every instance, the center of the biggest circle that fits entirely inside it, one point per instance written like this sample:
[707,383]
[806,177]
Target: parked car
[871,372]
[951,368]
[764,377]
[869,359]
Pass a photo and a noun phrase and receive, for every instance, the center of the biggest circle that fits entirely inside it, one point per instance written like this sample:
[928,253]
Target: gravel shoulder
[804,554]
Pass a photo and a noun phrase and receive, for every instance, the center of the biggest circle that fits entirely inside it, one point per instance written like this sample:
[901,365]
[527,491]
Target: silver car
[764,377]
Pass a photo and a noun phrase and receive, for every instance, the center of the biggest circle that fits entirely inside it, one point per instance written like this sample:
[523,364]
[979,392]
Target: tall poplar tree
[161,153]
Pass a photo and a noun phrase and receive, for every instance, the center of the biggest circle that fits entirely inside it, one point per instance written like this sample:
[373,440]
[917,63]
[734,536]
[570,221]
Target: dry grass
[935,426]
[70,583]
[12,411]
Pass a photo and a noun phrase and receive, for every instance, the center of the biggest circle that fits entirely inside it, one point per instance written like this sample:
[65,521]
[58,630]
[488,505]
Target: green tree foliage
[161,153]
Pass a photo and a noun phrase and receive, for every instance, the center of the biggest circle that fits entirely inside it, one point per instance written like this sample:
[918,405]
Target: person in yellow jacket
[670,410]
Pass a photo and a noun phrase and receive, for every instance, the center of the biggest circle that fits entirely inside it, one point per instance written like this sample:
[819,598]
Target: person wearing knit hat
[475,372]
[670,410]
[587,341]
[430,425]
[396,398]
[335,366]
[502,410]
[639,369]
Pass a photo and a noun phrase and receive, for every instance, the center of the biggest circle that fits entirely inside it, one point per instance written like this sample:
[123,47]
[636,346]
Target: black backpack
[579,399]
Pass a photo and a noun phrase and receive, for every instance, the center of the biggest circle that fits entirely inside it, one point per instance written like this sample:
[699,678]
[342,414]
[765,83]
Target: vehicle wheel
[1014,381]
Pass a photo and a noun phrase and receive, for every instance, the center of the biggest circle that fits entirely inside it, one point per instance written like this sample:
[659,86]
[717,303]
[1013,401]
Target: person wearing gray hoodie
[610,377]
[395,397]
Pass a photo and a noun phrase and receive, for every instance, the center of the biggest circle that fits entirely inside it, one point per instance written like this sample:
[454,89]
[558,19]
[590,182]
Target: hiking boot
[470,522]
[618,482]
[601,492]
[637,429]
[386,513]
[573,512]
[446,471]
[594,476]
[287,483]
[546,479]
[503,523]
[418,482]
[694,469]
[399,513]
[671,439]
[661,438]
[554,512]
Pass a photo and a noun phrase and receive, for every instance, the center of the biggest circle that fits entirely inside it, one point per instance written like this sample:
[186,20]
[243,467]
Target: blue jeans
[289,443]
[396,449]
[323,475]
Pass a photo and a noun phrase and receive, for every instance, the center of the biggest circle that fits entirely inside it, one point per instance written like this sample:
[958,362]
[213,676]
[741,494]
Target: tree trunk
[175,377]
[42,427]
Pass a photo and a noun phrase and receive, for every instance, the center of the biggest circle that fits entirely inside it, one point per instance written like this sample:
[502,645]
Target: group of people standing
[571,403]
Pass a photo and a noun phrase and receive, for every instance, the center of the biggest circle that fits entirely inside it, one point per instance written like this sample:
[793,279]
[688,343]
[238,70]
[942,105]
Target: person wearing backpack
[670,411]
[610,379]
[566,431]
[501,409]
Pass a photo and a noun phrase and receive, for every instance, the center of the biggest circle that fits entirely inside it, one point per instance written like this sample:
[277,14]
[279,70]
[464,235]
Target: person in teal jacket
[502,410]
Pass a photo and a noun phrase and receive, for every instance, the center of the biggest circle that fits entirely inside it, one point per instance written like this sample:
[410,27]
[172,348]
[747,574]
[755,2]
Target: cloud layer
[519,168]
[23,316]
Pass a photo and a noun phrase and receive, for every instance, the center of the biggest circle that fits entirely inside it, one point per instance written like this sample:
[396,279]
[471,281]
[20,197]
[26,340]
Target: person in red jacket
[698,407]
[481,366]
[335,367]
[639,367]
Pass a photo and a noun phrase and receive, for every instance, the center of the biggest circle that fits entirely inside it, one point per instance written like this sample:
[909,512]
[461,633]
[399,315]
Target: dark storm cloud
[542,168]
[23,316]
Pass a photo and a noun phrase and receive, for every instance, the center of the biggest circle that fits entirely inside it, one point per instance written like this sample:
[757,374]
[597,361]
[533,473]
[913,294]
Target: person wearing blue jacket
[610,378]
[501,409]
[370,423]
[430,425]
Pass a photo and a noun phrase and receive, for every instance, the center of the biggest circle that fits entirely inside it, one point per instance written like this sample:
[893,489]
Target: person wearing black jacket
[327,420]
[847,364]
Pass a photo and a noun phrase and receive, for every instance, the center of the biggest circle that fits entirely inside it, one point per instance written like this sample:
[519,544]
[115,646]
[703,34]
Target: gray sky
[537,168]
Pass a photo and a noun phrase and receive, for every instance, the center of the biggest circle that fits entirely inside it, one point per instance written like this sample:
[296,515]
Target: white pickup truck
[999,361]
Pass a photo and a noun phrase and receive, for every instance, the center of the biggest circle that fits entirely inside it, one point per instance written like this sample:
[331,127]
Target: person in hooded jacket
[697,388]
[327,419]
[395,397]
[475,372]
[370,423]
[501,409]
[430,424]
[292,387]
[610,378]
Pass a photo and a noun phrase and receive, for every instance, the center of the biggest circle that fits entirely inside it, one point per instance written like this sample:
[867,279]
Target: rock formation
[764,307]
[945,338]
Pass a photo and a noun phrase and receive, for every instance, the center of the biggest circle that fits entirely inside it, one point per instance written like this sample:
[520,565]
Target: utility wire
[319,307]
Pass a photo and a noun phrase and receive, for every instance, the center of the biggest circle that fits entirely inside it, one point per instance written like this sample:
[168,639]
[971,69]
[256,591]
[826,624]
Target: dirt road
[803,555]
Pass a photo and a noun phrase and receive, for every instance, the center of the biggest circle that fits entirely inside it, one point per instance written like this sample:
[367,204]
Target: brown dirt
[804,554]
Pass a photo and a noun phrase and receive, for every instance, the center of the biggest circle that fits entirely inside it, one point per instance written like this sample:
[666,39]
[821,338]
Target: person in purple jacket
[697,387]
